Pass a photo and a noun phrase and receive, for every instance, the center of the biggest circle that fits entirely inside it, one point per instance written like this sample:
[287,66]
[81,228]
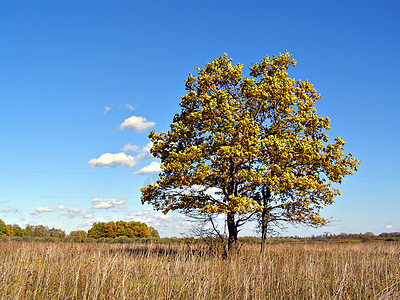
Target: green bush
[104,240]
[123,240]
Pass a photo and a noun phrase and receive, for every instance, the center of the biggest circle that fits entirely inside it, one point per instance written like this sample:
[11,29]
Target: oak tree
[246,146]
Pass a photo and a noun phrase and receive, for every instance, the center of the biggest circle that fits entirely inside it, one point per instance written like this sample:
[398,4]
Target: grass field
[139,271]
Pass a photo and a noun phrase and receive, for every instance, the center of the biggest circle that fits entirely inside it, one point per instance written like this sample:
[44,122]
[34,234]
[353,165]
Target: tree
[55,232]
[97,230]
[28,231]
[78,235]
[40,231]
[248,146]
[153,232]
[130,229]
[2,227]
[140,229]
[8,230]
[110,229]
[123,229]
[17,231]
[293,174]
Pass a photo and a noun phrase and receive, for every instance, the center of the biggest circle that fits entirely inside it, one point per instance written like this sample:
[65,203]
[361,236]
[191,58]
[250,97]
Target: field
[140,271]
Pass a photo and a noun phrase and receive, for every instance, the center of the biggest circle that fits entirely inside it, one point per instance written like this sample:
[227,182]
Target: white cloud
[149,217]
[130,147]
[108,160]
[119,208]
[166,225]
[144,153]
[213,191]
[40,210]
[147,148]
[9,210]
[137,124]
[89,223]
[389,226]
[61,206]
[129,106]
[101,205]
[44,209]
[77,212]
[106,109]
[154,167]
[198,189]
[104,203]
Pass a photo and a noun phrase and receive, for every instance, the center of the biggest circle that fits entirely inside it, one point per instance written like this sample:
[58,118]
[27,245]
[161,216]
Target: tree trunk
[264,216]
[233,232]
[264,227]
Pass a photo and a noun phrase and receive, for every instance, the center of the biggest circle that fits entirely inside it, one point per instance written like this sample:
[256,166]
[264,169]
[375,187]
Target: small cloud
[89,223]
[166,225]
[61,206]
[40,210]
[106,109]
[148,216]
[105,203]
[77,212]
[154,167]
[144,153]
[213,191]
[129,147]
[129,106]
[137,124]
[389,226]
[108,160]
[118,208]
[9,210]
[101,205]
[44,209]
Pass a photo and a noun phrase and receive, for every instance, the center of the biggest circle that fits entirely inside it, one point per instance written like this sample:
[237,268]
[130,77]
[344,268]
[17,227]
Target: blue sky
[74,73]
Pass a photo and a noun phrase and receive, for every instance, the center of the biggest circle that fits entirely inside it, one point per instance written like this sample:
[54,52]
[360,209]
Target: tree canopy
[121,228]
[247,146]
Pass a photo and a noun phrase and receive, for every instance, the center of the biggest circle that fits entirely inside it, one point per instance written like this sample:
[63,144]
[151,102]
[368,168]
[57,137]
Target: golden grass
[134,271]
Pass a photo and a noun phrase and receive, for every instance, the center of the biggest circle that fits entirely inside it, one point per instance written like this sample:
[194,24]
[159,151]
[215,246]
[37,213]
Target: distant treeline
[342,237]
[365,237]
[98,230]
[137,232]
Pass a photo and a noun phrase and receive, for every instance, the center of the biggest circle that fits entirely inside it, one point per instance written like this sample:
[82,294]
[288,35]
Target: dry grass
[287,271]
